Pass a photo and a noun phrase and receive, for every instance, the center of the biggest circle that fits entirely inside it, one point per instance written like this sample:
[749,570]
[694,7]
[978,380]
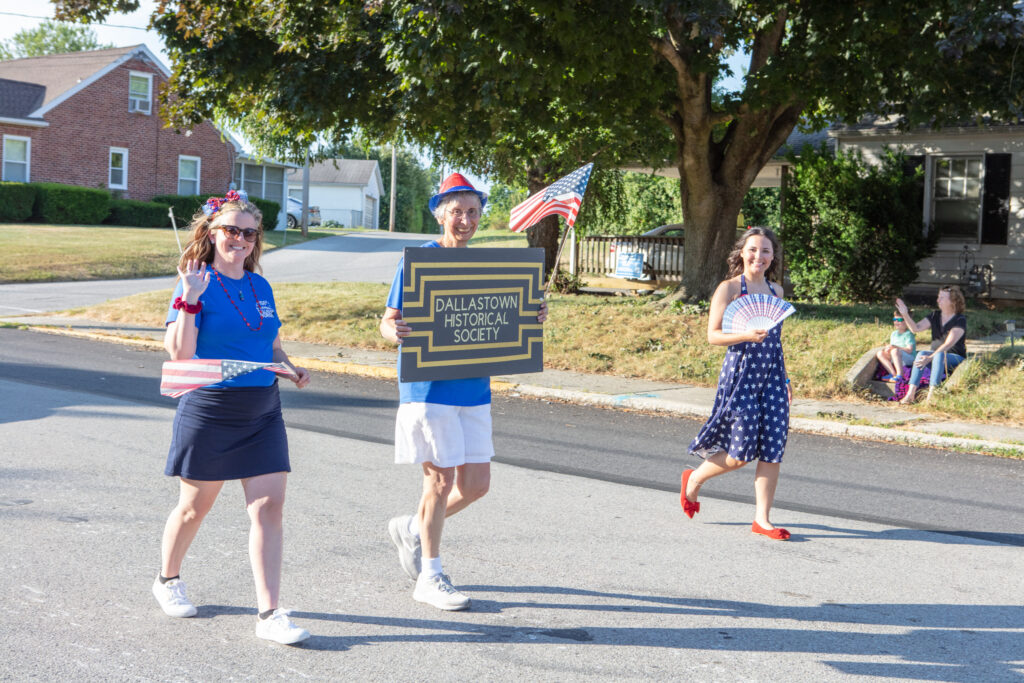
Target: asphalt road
[359,257]
[904,487]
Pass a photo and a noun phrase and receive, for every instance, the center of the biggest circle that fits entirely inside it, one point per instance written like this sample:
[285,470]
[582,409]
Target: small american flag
[562,198]
[182,376]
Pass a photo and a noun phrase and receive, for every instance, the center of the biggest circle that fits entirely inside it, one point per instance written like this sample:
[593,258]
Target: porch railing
[662,256]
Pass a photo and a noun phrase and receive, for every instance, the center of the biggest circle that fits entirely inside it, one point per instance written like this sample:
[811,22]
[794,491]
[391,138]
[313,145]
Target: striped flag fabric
[182,376]
[562,198]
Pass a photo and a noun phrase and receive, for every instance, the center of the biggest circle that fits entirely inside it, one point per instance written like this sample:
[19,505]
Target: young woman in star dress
[750,417]
[222,309]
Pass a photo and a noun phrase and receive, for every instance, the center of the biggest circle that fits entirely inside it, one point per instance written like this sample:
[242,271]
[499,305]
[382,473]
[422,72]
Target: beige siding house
[973,197]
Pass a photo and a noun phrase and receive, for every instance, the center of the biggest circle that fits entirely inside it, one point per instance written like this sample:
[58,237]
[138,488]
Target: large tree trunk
[718,153]
[543,234]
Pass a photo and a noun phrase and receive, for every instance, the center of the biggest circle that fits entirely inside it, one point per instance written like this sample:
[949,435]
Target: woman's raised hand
[194,280]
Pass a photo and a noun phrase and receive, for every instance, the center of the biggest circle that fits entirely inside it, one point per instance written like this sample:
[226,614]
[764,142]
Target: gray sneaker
[410,551]
[280,629]
[172,598]
[438,591]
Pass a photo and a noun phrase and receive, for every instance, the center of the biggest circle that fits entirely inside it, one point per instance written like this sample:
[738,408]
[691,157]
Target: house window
[957,184]
[140,92]
[17,157]
[260,182]
[117,178]
[188,175]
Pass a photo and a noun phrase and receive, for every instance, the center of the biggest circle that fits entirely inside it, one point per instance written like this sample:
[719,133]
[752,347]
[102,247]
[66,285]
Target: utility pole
[305,197]
[394,176]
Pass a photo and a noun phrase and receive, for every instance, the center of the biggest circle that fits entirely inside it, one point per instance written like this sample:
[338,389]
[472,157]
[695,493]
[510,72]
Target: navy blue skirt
[222,434]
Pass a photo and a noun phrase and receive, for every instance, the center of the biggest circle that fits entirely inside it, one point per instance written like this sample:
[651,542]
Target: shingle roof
[338,172]
[19,99]
[59,73]
[799,139]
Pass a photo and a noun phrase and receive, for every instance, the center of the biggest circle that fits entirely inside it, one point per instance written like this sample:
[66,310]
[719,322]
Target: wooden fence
[662,256]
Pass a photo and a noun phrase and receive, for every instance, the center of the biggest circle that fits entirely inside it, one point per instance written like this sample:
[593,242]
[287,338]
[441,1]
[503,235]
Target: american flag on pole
[563,198]
[182,376]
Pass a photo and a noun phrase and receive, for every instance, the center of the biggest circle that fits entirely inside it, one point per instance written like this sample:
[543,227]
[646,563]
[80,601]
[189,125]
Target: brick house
[91,119]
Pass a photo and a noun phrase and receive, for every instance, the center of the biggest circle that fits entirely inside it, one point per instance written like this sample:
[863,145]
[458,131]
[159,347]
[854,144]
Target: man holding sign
[442,425]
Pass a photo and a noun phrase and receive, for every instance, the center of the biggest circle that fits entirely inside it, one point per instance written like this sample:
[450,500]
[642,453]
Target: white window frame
[930,198]
[240,181]
[28,157]
[133,101]
[199,171]
[123,151]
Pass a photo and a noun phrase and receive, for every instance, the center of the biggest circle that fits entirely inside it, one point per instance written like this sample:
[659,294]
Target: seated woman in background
[949,328]
[899,352]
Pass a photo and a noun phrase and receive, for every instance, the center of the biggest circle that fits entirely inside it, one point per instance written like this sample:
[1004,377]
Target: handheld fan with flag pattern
[182,376]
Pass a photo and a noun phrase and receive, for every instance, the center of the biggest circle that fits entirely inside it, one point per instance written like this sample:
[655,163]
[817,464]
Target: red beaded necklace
[228,295]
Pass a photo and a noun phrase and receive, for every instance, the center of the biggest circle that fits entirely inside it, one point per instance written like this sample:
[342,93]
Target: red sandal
[689,508]
[776,534]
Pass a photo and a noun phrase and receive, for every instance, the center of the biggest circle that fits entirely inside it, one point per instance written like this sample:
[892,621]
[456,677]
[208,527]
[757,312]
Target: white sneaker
[410,551]
[279,628]
[172,599]
[438,591]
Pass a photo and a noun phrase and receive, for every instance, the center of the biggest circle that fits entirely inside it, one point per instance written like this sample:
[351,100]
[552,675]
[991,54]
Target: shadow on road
[938,644]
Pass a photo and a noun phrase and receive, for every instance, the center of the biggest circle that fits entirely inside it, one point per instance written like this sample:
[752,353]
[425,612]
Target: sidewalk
[882,422]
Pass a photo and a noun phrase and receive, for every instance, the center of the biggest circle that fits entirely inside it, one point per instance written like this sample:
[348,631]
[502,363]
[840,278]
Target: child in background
[899,352]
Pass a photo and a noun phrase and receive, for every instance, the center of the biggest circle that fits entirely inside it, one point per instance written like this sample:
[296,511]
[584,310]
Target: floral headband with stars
[213,204]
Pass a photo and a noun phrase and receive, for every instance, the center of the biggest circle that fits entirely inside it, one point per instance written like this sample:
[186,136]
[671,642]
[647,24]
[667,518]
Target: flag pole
[174,224]
[558,256]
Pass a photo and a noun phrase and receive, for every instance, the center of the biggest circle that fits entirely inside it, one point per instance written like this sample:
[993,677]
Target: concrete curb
[639,402]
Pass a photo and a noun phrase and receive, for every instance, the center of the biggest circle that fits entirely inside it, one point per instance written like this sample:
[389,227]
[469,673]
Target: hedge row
[138,214]
[69,204]
[16,200]
[187,206]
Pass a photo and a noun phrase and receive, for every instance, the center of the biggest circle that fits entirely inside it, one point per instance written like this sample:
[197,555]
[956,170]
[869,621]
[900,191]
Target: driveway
[362,257]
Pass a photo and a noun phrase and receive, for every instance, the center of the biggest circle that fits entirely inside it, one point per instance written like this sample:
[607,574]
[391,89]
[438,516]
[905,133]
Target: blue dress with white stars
[750,418]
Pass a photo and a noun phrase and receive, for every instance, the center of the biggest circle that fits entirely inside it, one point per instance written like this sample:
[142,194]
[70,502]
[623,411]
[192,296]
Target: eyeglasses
[458,214]
[250,234]
[897,320]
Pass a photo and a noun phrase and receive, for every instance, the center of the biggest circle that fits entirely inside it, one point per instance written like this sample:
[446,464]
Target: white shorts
[447,436]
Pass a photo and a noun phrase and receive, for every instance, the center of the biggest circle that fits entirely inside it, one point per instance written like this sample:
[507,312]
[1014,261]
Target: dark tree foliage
[527,90]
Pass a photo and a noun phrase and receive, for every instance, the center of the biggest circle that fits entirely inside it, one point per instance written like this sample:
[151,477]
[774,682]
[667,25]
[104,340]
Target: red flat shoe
[689,508]
[776,534]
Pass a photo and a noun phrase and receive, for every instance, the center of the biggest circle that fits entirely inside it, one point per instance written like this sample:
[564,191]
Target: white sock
[431,566]
[414,526]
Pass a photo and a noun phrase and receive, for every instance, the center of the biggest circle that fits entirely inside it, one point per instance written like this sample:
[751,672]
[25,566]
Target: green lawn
[626,337]
[47,253]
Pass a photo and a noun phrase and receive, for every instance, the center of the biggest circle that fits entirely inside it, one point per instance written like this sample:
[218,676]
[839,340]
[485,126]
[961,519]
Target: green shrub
[852,230]
[270,210]
[187,206]
[16,200]
[70,204]
[138,214]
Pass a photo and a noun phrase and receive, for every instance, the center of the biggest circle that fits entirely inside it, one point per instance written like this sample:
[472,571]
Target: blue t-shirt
[222,332]
[475,391]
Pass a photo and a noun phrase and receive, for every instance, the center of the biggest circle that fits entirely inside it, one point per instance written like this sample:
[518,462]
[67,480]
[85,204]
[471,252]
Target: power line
[33,16]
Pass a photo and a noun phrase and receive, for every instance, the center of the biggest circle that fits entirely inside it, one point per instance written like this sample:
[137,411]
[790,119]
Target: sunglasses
[250,234]
[897,320]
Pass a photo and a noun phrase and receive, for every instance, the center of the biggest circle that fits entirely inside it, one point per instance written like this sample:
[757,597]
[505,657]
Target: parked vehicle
[658,256]
[295,213]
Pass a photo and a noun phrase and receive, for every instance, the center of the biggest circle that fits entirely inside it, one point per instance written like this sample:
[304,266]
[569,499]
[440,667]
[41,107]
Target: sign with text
[473,313]
[630,265]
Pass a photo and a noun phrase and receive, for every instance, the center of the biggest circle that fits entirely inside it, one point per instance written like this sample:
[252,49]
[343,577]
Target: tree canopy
[50,38]
[536,87]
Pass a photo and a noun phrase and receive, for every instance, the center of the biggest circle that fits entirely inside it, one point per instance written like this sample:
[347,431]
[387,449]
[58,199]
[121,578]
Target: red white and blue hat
[456,182]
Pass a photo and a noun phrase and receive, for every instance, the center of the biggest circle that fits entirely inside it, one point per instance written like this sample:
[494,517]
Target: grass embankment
[74,252]
[624,336]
